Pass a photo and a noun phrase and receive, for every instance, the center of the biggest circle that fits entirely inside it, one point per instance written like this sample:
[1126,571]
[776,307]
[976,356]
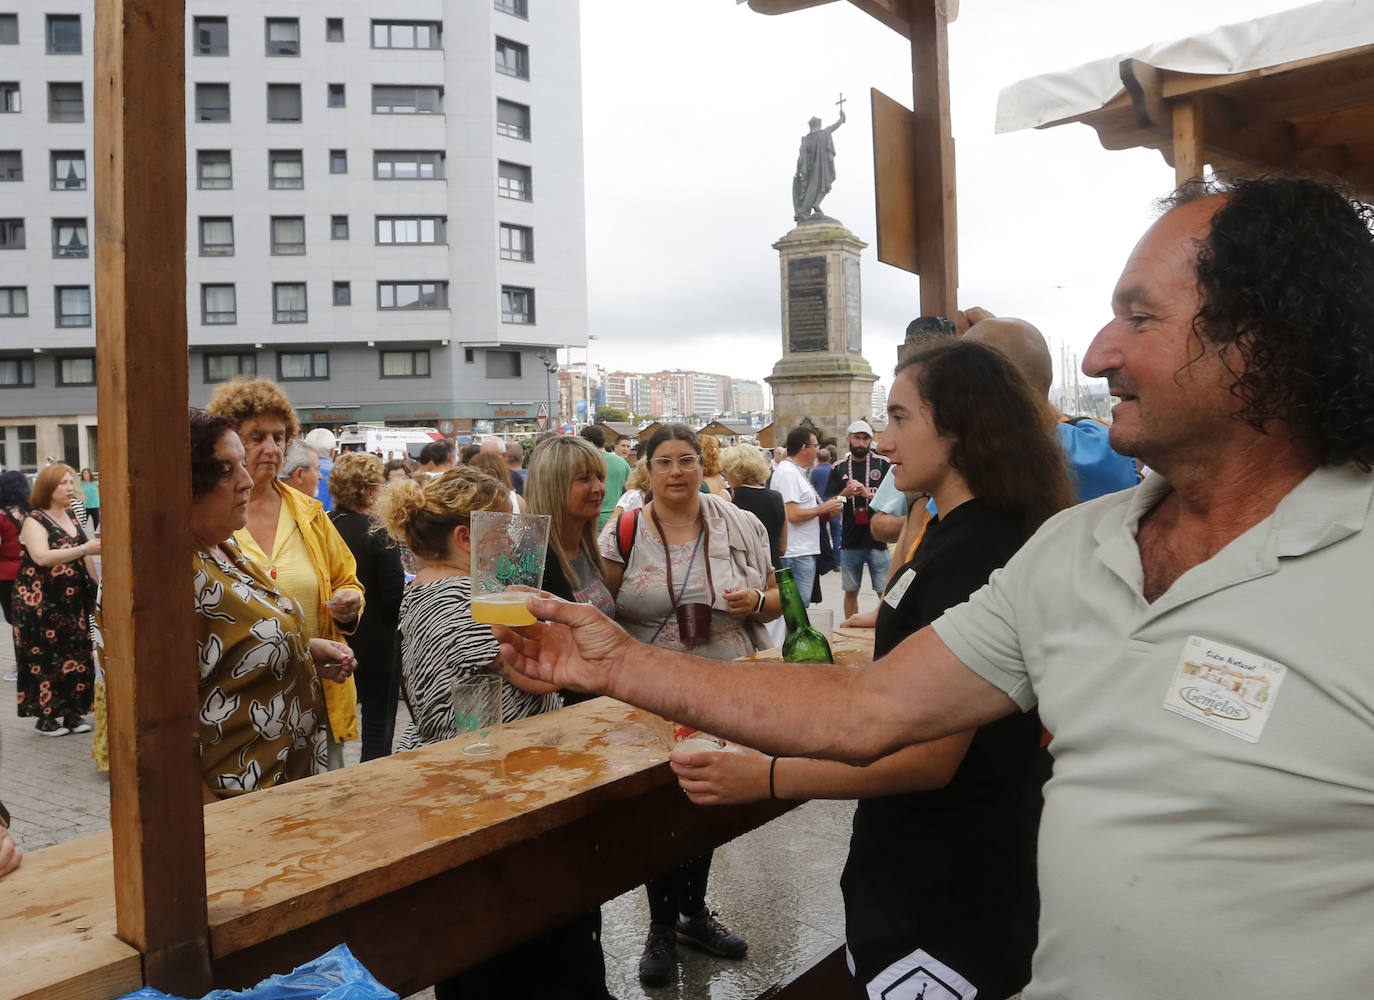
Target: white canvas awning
[1294,90]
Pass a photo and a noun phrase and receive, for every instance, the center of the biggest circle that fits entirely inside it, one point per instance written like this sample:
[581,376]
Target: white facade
[431,303]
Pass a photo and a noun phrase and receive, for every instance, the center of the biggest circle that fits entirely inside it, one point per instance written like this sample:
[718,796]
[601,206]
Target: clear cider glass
[507,564]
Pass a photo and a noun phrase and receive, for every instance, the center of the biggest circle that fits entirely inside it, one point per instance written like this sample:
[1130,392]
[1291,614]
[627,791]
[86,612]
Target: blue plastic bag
[335,975]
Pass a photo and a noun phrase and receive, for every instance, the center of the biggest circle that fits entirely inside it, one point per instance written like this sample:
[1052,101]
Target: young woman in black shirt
[940,886]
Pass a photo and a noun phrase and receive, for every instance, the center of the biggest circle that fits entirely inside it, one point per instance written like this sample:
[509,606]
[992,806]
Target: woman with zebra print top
[439,643]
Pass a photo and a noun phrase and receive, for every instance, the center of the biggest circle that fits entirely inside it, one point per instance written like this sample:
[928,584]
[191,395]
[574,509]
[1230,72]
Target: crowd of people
[1032,815]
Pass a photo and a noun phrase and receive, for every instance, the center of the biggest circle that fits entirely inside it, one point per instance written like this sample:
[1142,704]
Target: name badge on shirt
[1226,688]
[897,591]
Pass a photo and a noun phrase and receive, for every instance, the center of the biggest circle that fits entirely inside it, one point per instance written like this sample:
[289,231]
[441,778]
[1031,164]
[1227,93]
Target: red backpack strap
[625,528]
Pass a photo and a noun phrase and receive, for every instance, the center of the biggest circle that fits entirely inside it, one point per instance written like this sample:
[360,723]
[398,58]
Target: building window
[11,165]
[70,238]
[284,102]
[73,305]
[512,58]
[9,96]
[288,239]
[411,229]
[338,161]
[28,447]
[512,119]
[16,372]
[66,103]
[338,227]
[14,301]
[302,365]
[212,102]
[405,364]
[288,302]
[216,236]
[218,305]
[343,293]
[388,99]
[517,242]
[12,234]
[513,181]
[335,95]
[503,364]
[333,29]
[517,304]
[76,371]
[412,295]
[283,36]
[214,169]
[64,34]
[68,169]
[210,36]
[223,367]
[406,34]
[285,169]
[469,355]
[9,29]
[520,8]
[403,165]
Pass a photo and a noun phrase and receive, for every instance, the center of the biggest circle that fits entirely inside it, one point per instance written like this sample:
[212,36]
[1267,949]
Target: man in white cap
[323,443]
[856,479]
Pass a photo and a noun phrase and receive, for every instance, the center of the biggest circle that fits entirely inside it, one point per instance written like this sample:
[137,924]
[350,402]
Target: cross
[840,103]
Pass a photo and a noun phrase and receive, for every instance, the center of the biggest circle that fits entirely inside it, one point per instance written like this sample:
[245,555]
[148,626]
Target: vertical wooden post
[140,295]
[1189,152]
[937,232]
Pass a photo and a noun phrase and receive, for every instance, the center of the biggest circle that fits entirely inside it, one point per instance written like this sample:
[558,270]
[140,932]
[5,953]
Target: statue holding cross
[815,169]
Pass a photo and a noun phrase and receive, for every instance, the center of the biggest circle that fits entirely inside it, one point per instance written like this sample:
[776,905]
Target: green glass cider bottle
[803,643]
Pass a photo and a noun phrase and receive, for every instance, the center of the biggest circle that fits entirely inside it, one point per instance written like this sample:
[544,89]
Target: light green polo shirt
[617,471]
[1178,859]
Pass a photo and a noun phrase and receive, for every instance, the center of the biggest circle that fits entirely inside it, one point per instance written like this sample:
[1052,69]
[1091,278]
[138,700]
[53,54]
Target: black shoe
[658,964]
[709,934]
[50,727]
[76,724]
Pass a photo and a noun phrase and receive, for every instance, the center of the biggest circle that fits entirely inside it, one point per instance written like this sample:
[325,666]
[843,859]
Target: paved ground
[777,886]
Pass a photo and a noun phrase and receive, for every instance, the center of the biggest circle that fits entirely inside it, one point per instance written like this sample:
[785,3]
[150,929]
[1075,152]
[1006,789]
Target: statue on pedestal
[815,169]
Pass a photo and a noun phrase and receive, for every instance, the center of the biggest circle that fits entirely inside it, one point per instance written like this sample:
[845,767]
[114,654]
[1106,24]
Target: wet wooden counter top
[423,863]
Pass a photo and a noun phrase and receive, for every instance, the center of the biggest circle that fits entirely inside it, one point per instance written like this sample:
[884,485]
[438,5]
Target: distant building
[384,210]
[879,400]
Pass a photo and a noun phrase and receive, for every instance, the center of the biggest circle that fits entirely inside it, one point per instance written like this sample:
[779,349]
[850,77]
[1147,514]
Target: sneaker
[709,934]
[78,725]
[658,964]
[51,727]
[12,676]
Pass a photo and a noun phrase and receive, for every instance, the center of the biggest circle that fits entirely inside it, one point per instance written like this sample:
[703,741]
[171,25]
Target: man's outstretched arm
[917,692]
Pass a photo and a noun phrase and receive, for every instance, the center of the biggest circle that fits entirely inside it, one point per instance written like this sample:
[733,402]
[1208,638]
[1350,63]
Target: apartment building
[384,210]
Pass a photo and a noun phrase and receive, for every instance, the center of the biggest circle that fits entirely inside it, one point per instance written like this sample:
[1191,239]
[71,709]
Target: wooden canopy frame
[1314,114]
[71,947]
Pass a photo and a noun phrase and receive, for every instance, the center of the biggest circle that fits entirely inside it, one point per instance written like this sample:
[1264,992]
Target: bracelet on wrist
[759,607]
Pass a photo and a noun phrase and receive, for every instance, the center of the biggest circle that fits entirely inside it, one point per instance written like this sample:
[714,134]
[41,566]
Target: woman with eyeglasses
[689,570]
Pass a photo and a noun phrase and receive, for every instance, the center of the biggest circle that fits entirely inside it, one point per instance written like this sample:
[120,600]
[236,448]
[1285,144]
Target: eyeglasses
[684,462]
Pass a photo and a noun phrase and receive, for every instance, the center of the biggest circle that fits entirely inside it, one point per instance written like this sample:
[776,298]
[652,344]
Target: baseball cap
[859,427]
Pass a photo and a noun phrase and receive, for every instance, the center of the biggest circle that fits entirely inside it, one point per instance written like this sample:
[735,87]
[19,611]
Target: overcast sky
[693,110]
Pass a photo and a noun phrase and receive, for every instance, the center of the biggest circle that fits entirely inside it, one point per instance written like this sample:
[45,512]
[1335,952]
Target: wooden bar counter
[424,863]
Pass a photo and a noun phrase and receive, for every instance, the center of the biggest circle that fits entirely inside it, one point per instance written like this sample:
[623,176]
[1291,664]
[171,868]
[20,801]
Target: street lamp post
[587,376]
[549,368]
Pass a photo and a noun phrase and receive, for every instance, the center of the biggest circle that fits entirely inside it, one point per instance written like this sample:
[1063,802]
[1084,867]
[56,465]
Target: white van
[391,442]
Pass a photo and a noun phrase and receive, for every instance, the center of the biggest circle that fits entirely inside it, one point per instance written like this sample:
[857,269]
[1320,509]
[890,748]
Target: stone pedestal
[822,375]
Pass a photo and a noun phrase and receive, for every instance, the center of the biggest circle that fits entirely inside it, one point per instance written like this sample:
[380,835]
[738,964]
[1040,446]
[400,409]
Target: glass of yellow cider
[507,565]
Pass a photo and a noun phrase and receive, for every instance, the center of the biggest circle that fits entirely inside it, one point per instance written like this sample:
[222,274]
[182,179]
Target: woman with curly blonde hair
[355,483]
[290,536]
[441,643]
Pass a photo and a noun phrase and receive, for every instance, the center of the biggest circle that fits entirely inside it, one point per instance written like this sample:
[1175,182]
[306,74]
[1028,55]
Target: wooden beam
[1189,155]
[140,295]
[933,140]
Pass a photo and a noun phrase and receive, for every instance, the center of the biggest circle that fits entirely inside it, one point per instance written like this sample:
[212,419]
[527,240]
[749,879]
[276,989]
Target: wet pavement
[777,886]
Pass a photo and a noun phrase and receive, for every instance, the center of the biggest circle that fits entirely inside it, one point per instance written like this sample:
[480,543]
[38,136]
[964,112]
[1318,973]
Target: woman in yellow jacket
[290,535]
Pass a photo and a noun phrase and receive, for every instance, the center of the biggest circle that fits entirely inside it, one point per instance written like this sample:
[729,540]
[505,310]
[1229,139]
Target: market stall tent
[1293,91]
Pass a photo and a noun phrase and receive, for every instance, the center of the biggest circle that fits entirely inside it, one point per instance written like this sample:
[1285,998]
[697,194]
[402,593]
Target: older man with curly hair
[1199,645]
